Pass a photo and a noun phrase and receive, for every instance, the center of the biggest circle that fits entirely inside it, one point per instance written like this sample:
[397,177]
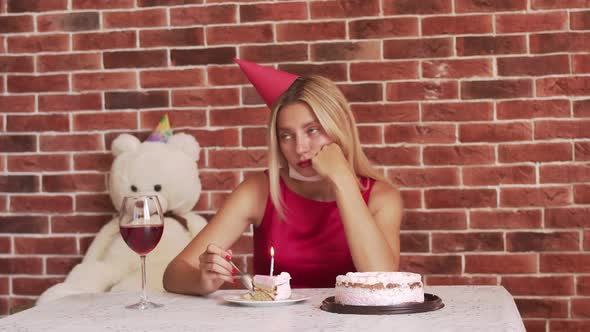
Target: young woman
[321,205]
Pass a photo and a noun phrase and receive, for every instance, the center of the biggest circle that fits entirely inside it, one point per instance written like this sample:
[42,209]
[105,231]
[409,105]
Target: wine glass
[141,223]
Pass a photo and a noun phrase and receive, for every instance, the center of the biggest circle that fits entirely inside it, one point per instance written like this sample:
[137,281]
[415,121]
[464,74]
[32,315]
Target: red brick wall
[479,110]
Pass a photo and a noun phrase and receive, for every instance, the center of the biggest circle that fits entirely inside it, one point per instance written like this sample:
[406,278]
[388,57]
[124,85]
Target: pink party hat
[269,82]
[162,131]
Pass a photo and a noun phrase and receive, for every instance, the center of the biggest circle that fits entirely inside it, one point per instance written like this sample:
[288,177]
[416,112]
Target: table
[467,308]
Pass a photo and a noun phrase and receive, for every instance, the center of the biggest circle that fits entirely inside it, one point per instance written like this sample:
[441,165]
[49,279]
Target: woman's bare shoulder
[384,194]
[384,187]
[256,181]
[253,193]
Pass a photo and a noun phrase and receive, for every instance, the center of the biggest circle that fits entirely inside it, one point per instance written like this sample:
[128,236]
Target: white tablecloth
[467,308]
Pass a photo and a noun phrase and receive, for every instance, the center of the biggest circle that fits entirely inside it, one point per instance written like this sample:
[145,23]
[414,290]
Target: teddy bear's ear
[187,144]
[124,143]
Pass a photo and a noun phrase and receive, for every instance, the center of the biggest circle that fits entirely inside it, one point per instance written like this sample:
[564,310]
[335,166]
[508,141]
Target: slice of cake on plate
[378,288]
[270,288]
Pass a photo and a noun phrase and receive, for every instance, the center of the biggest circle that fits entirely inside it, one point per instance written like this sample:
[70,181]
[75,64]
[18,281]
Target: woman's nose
[302,145]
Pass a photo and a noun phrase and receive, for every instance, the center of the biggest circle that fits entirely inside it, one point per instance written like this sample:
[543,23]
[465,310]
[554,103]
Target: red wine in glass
[141,223]
[142,239]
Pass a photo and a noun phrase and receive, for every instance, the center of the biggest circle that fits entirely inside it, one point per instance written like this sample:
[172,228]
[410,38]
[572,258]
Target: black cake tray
[431,303]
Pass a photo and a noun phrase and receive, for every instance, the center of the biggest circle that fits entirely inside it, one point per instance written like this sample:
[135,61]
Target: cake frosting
[378,288]
[271,288]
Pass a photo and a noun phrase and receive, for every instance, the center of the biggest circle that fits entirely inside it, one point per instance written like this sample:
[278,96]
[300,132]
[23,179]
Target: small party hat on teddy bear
[269,82]
[162,132]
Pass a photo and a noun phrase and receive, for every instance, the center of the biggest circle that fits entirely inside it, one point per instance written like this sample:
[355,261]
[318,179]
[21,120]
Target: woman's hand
[214,267]
[330,163]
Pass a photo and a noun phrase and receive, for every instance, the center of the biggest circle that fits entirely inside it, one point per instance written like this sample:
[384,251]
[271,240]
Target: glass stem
[143,291]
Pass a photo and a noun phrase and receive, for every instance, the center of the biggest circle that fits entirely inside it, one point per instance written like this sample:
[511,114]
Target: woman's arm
[372,231]
[201,267]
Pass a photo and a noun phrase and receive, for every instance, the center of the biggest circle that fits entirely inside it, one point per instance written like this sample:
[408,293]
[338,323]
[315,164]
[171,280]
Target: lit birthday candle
[272,260]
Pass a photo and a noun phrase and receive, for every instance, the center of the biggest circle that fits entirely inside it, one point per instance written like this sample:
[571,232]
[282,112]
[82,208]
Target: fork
[247,281]
[245,278]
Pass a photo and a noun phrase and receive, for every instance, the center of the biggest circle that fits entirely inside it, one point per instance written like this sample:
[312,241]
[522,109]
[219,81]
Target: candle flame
[272,251]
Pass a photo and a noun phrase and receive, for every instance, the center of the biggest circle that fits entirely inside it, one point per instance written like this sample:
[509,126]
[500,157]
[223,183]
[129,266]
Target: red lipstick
[304,164]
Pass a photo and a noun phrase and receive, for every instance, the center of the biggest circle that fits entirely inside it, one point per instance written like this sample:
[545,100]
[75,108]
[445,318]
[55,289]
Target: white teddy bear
[168,170]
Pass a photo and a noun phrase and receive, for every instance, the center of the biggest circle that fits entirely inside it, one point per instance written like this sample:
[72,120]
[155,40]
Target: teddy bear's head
[168,170]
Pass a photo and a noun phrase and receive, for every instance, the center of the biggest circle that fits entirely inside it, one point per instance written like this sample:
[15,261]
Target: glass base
[143,305]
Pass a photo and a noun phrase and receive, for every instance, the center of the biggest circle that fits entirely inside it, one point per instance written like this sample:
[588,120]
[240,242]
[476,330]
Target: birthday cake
[270,288]
[378,288]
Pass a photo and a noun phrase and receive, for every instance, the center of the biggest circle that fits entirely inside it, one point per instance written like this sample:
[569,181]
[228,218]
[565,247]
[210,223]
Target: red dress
[311,244]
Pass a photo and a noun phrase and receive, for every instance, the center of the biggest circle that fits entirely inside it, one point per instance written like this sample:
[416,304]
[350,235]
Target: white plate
[237,299]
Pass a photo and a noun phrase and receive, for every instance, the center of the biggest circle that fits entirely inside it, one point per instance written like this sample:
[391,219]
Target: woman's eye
[284,137]
[312,130]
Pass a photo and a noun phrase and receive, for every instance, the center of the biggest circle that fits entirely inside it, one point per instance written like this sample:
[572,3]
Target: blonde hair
[331,108]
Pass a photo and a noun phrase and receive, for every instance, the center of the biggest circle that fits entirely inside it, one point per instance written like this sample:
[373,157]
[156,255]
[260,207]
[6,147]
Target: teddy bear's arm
[195,223]
[102,241]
